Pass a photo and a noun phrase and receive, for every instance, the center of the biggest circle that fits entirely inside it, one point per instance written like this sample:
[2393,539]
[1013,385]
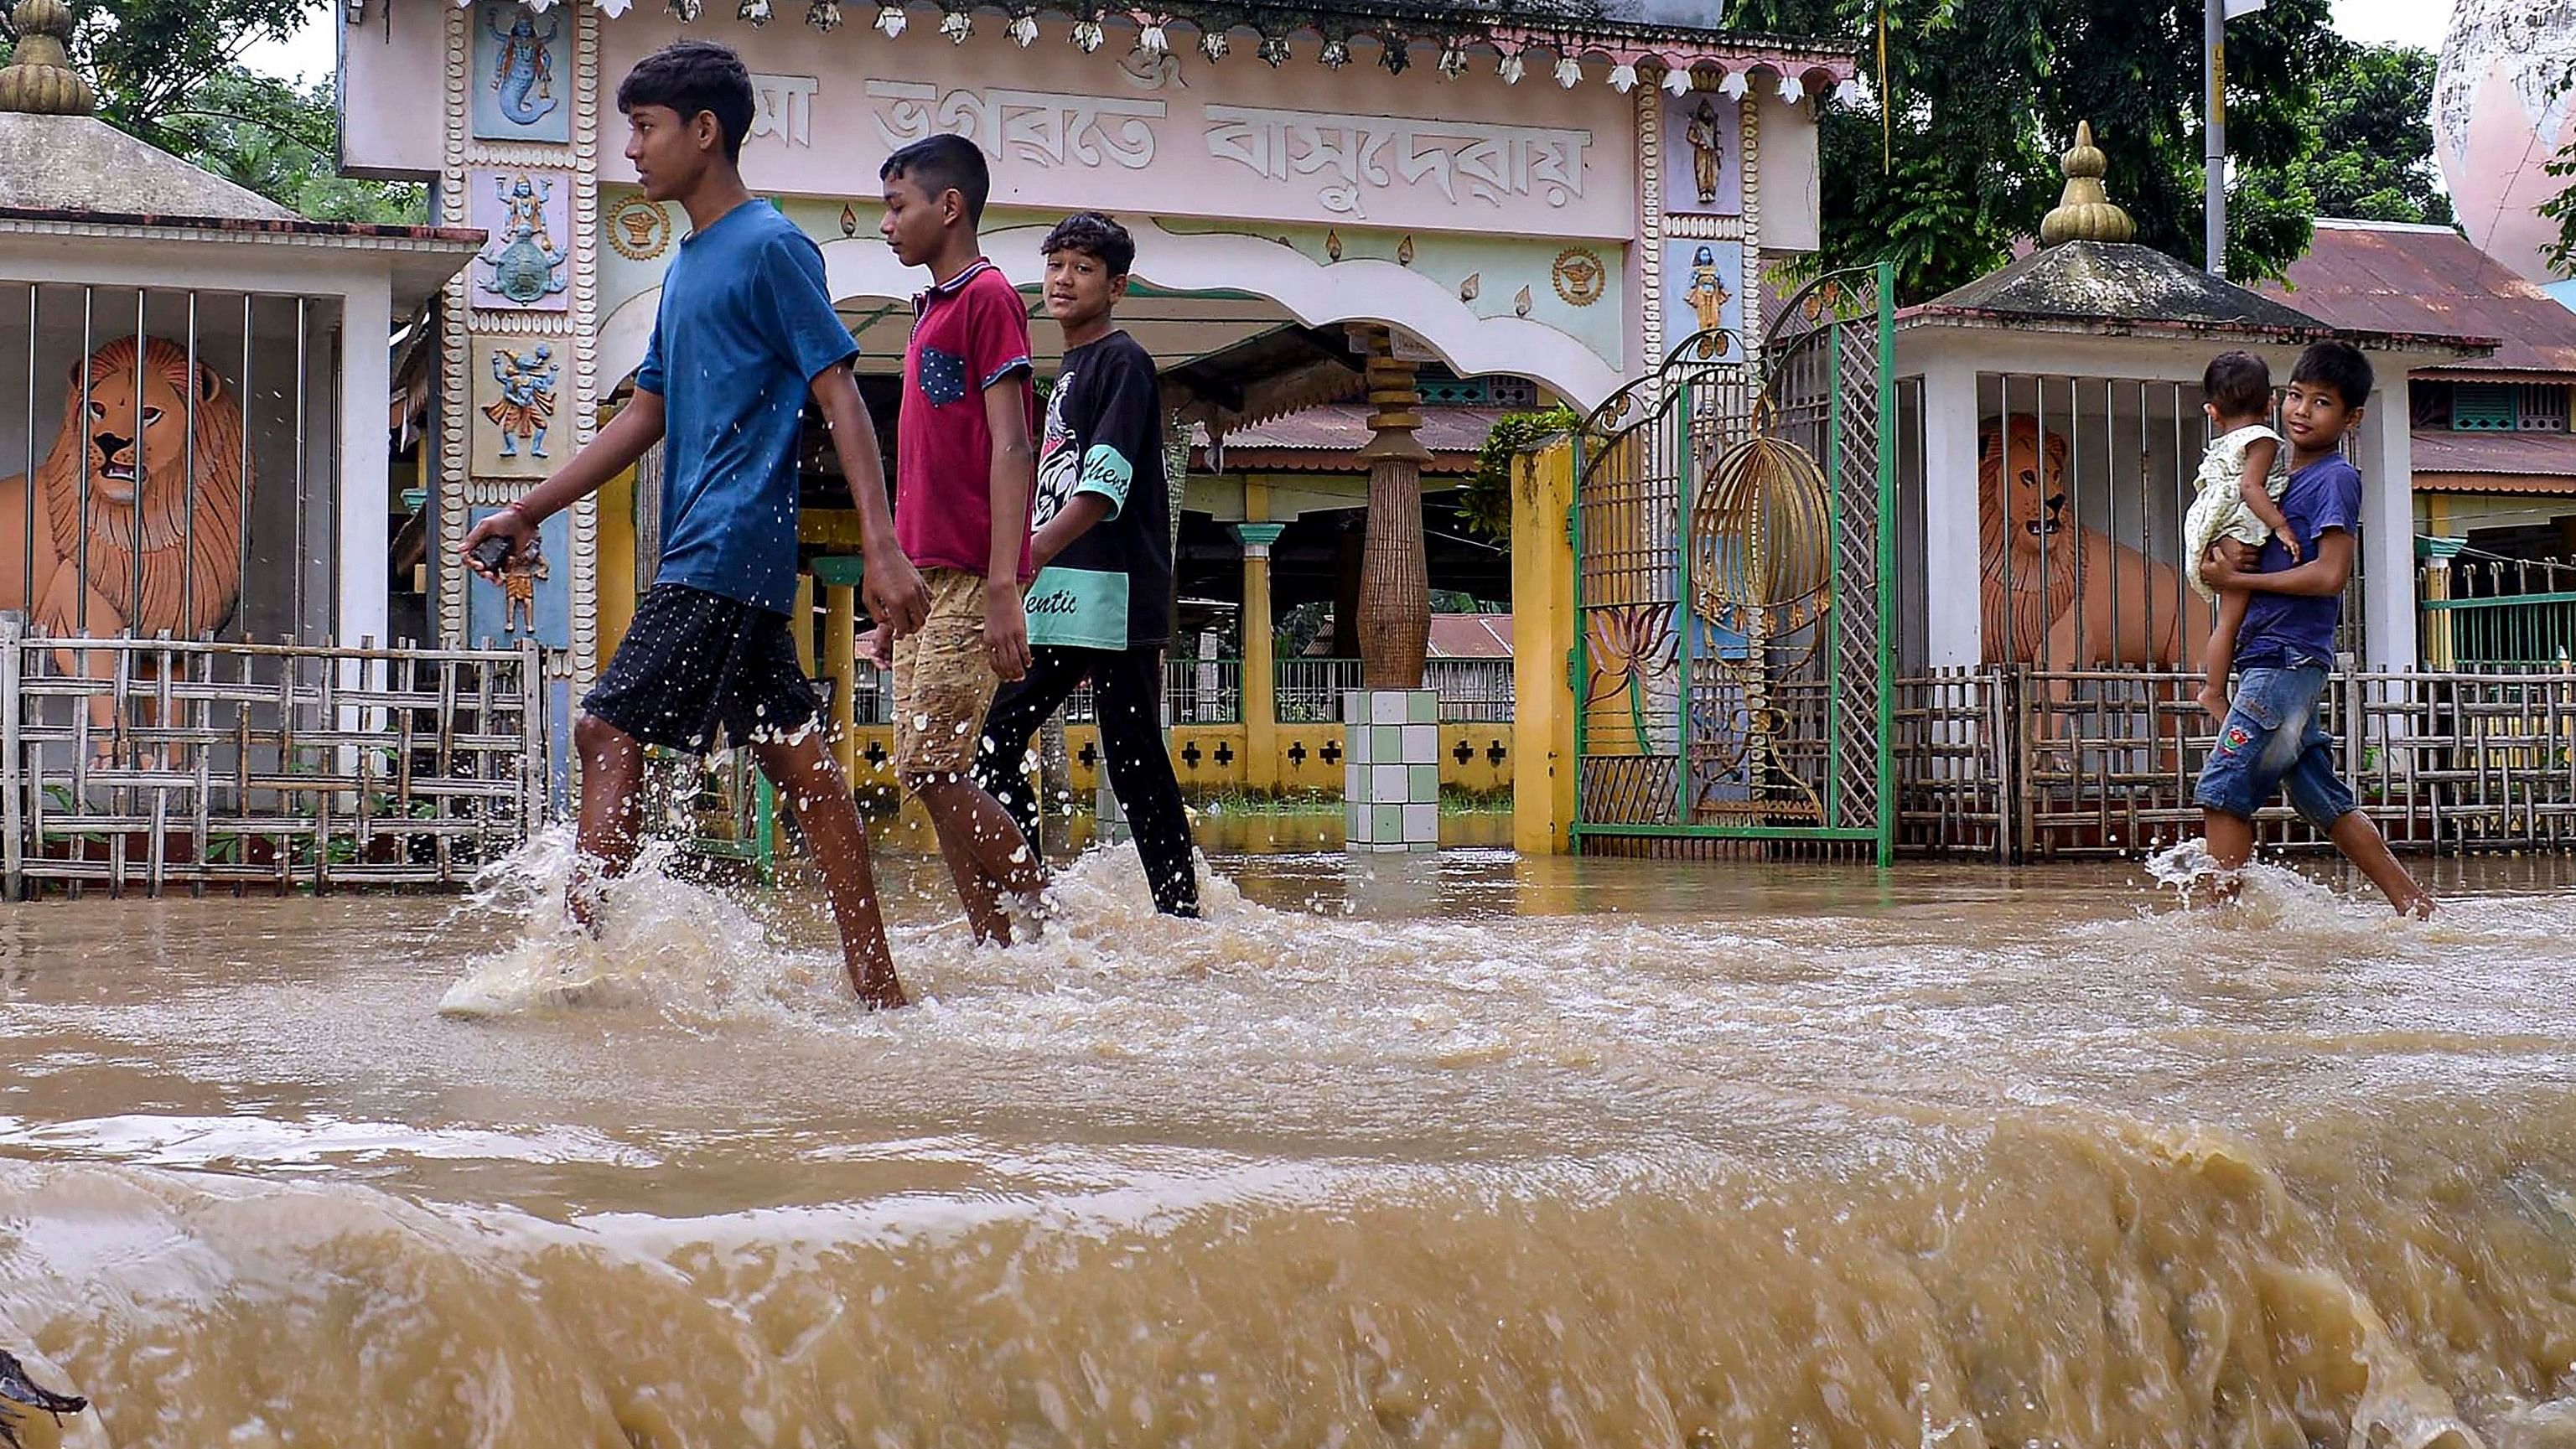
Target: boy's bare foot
[2418,906]
[2213,701]
[877,991]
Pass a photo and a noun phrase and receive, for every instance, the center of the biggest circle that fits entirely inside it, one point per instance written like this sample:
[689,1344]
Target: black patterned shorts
[693,662]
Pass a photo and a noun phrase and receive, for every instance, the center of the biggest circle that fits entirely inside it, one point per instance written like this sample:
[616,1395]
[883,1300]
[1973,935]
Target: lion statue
[127,513]
[2131,611]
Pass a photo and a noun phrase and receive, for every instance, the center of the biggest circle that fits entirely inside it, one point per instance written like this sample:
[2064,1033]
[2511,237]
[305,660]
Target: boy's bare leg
[612,810]
[2361,843]
[2221,653]
[985,851]
[804,772]
[2231,843]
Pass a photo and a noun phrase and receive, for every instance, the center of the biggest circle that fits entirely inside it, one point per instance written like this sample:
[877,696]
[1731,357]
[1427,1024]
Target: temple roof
[79,163]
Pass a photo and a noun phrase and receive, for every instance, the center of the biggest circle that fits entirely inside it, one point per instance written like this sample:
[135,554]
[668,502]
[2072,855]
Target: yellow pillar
[1543,635]
[802,626]
[1260,672]
[841,667]
[616,554]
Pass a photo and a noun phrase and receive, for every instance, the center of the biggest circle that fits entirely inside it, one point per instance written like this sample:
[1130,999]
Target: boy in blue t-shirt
[2272,737]
[745,332]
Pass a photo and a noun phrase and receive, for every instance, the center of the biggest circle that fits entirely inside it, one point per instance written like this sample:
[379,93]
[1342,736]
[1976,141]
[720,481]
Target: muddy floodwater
[1466,1152]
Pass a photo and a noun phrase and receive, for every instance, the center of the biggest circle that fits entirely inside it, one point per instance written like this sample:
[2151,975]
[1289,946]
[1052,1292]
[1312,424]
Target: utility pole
[2213,34]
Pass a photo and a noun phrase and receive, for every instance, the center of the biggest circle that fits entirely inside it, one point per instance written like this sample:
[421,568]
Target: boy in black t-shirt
[1100,608]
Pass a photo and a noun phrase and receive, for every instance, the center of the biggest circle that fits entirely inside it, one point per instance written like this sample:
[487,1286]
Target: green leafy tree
[1957,160]
[169,73]
[2374,159]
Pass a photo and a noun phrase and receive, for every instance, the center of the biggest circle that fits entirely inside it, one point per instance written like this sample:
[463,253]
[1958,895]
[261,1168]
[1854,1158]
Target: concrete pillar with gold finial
[1391,779]
[2084,211]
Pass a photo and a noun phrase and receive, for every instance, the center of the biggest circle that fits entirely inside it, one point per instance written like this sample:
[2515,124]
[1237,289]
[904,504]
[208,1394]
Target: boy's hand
[877,647]
[509,525]
[2227,560]
[1006,629]
[2289,540]
[896,597]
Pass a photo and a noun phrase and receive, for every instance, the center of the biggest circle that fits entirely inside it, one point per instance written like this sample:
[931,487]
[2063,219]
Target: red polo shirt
[968,333]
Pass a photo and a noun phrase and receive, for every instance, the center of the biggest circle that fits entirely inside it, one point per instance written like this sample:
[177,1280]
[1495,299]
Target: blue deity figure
[526,407]
[524,64]
[527,264]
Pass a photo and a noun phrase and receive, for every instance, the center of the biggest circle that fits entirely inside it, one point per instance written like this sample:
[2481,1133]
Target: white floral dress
[2220,511]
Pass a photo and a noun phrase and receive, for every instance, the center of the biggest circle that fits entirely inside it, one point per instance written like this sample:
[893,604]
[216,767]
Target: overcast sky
[2411,22]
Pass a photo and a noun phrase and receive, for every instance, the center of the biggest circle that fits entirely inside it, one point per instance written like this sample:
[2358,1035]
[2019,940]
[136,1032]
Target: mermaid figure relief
[524,64]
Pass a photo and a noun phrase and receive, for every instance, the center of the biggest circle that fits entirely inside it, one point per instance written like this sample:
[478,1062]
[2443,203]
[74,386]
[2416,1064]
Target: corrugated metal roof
[1471,636]
[2379,276]
[1456,435]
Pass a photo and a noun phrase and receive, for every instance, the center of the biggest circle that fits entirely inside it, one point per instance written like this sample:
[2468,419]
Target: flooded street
[1462,1152]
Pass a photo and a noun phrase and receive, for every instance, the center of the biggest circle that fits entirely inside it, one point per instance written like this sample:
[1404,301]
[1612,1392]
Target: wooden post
[1395,587]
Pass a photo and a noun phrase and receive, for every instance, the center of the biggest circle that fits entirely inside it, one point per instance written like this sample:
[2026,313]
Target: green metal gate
[1733,664]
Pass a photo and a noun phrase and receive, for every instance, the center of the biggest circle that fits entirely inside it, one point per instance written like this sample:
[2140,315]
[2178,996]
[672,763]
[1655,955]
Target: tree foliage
[2374,158]
[1981,99]
[169,72]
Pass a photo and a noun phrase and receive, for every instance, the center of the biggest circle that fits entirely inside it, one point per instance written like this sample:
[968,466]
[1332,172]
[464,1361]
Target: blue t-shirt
[2283,629]
[745,326]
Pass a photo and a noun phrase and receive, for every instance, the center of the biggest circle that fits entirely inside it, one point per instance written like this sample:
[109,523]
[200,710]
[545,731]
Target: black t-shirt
[1112,587]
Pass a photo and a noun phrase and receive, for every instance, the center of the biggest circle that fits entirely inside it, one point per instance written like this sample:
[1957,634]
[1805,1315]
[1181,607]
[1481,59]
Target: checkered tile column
[1391,775]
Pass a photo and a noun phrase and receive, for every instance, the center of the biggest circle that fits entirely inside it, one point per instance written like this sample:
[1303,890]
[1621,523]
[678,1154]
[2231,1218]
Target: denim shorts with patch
[2273,739]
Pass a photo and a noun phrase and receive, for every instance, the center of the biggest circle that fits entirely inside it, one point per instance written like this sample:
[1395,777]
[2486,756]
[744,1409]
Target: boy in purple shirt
[2272,738]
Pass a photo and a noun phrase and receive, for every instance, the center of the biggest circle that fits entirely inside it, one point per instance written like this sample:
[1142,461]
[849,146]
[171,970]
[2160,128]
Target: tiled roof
[2381,276]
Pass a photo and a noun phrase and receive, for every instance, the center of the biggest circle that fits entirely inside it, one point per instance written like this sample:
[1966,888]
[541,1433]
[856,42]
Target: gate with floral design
[1733,575]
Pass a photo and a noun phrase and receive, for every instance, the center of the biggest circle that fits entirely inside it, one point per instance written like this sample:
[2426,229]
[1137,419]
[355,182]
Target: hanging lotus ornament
[1761,531]
[1453,61]
[890,18]
[1394,57]
[1623,77]
[755,11]
[1212,41]
[1087,35]
[1151,39]
[1336,52]
[686,11]
[957,25]
[1024,30]
[824,15]
[1512,68]
[1569,71]
[1678,80]
[1274,49]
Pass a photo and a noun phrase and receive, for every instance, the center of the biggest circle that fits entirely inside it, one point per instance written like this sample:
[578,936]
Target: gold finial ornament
[2084,211]
[39,79]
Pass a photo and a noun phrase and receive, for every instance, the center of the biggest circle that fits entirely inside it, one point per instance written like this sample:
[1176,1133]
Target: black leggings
[1127,686]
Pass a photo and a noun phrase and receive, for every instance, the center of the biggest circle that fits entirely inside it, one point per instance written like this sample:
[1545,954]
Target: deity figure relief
[1702,135]
[524,65]
[519,580]
[526,407]
[1707,296]
[526,264]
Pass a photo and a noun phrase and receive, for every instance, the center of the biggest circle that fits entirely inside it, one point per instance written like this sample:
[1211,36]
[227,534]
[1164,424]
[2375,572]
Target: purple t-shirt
[2285,629]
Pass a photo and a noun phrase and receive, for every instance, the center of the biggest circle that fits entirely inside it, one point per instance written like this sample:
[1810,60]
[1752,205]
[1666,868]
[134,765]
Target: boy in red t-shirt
[964,469]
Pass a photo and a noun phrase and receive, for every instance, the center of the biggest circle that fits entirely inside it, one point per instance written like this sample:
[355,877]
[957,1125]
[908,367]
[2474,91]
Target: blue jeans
[2272,739]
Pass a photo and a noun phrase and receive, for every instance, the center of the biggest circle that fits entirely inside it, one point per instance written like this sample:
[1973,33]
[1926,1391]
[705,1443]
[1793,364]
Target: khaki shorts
[943,681]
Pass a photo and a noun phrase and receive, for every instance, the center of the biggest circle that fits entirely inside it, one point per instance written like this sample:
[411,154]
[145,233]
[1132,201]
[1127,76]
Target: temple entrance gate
[1733,575]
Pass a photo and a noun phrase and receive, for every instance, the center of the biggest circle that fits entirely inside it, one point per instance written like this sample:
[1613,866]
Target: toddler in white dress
[2240,480]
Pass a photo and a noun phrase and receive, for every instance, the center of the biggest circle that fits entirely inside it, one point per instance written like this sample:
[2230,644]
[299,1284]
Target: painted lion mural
[2130,612]
[138,501]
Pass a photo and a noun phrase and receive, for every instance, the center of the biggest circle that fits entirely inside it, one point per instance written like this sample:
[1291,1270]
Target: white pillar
[366,334]
[2387,559]
[1953,574]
